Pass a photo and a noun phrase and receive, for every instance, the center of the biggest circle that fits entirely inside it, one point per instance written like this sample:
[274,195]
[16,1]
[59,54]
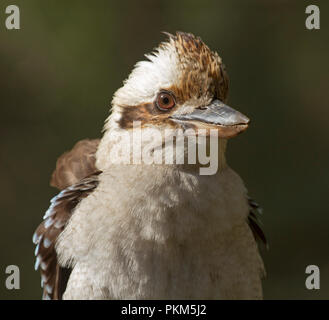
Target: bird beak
[216,115]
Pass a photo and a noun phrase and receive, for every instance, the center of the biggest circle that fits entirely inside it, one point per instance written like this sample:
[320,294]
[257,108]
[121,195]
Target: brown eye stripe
[145,113]
[134,113]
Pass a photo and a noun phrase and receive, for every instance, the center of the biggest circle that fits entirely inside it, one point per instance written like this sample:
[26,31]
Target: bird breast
[151,225]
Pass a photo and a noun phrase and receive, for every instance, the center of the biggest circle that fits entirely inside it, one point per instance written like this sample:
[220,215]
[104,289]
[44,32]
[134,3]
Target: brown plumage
[75,165]
[204,70]
[254,222]
[203,74]
[75,171]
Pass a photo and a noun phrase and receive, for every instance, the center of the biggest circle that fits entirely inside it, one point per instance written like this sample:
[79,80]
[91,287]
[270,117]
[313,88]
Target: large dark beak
[216,115]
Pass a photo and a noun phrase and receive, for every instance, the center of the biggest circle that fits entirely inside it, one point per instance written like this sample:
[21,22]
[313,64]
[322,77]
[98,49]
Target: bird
[137,230]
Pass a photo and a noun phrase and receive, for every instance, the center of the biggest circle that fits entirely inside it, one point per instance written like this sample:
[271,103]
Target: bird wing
[77,176]
[75,165]
[254,222]
[54,277]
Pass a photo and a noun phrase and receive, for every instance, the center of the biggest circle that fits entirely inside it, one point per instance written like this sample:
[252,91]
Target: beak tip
[244,119]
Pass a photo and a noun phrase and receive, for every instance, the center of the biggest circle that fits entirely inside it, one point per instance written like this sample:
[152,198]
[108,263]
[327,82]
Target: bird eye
[165,101]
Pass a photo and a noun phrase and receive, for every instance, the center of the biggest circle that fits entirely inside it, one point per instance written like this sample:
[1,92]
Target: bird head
[183,85]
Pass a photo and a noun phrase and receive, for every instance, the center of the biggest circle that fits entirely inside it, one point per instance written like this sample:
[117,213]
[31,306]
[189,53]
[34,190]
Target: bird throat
[153,147]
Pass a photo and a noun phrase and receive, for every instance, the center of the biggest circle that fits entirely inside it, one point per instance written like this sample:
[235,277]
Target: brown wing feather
[254,222]
[54,277]
[75,165]
[75,173]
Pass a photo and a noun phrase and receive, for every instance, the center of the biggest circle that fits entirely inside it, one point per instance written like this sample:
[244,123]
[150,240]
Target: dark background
[57,77]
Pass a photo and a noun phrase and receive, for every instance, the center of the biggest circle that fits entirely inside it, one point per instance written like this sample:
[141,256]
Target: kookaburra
[127,230]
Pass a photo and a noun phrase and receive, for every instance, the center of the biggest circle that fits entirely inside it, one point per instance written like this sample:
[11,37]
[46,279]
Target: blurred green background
[57,77]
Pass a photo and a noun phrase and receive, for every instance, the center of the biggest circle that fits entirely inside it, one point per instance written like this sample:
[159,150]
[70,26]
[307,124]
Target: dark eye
[165,101]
